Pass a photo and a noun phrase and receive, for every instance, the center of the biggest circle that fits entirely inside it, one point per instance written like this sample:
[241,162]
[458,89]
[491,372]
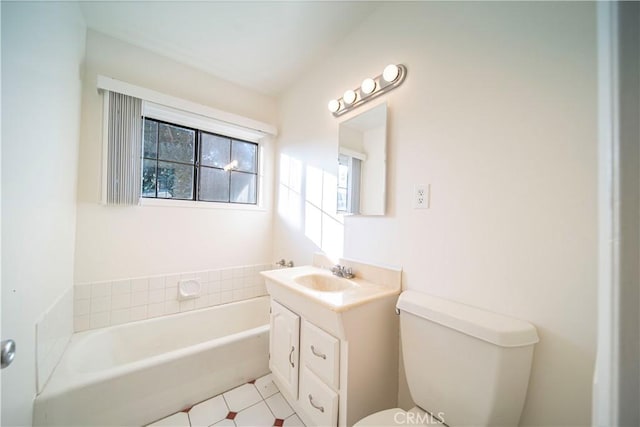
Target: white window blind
[124,144]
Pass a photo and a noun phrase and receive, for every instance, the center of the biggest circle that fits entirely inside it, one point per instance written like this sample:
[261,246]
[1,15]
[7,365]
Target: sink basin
[324,282]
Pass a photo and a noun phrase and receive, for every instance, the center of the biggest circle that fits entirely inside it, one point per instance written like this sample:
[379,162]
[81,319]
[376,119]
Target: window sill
[168,203]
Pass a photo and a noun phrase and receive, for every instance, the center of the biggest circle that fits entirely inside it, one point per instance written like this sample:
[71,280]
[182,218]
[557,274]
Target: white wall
[42,54]
[125,242]
[498,114]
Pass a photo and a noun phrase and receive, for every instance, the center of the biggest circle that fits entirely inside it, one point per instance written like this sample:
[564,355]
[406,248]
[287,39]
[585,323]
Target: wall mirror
[362,163]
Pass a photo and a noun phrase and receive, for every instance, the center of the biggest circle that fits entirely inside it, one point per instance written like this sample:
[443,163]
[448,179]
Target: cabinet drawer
[321,353]
[318,400]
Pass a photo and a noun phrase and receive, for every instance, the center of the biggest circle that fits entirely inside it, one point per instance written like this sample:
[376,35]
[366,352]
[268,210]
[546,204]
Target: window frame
[195,201]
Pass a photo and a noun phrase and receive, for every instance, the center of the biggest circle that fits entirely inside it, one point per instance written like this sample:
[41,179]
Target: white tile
[237,272]
[101,289]
[239,294]
[226,284]
[82,291]
[214,299]
[226,296]
[208,412]
[214,287]
[171,281]
[99,320]
[139,285]
[257,415]
[156,282]
[187,305]
[139,298]
[81,307]
[242,397]
[200,276]
[121,287]
[202,302]
[225,423]
[226,273]
[180,419]
[247,281]
[266,387]
[279,407]
[100,304]
[293,421]
[238,282]
[214,275]
[247,271]
[156,295]
[81,323]
[171,307]
[171,293]
[120,301]
[139,313]
[155,310]
[120,316]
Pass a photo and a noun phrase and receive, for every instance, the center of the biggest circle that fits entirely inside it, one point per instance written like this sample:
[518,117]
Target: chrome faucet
[342,271]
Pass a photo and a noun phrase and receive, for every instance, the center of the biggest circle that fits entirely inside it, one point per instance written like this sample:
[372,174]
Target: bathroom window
[183,163]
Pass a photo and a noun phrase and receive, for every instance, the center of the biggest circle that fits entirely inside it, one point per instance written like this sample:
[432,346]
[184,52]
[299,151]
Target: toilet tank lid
[482,324]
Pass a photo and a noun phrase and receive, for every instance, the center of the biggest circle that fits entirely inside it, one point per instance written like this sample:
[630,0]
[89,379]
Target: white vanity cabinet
[335,381]
[334,349]
[284,350]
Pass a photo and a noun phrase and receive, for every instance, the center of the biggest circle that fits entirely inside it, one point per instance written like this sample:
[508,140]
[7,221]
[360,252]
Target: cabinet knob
[318,407]
[318,354]
[291,354]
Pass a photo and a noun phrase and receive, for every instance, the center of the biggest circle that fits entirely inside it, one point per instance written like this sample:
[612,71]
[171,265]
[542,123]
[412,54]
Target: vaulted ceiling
[260,45]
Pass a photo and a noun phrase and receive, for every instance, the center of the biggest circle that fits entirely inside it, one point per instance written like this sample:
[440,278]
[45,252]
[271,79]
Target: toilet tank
[465,365]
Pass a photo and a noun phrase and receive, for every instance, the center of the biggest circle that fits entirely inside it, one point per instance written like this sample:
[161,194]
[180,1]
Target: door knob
[8,352]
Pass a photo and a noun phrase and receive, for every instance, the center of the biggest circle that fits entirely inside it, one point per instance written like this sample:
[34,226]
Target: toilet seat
[398,417]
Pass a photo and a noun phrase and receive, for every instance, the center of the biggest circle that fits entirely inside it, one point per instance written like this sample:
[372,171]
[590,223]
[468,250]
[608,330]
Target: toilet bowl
[464,365]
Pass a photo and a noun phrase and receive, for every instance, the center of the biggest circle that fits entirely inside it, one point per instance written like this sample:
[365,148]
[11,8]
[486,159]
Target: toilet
[464,366]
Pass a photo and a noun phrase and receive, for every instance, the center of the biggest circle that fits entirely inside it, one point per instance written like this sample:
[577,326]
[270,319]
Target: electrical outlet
[421,196]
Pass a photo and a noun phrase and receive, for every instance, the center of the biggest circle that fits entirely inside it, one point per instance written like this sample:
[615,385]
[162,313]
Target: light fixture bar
[340,106]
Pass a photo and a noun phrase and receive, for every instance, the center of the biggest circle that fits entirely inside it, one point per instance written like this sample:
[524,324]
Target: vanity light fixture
[368,85]
[334,105]
[392,76]
[349,97]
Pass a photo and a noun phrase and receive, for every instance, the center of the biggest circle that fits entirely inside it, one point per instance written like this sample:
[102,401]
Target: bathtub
[136,373]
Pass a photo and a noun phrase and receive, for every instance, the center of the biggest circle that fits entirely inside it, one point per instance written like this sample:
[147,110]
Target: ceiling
[260,45]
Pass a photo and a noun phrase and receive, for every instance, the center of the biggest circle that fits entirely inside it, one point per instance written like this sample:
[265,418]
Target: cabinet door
[283,347]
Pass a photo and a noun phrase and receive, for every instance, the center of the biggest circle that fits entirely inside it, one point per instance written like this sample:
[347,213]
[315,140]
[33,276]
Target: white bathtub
[132,374]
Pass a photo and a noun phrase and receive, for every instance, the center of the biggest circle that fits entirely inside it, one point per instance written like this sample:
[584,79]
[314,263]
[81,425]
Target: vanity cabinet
[284,347]
[334,350]
[331,381]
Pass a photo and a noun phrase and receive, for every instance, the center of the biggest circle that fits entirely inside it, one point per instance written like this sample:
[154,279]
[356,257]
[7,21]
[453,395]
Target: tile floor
[255,404]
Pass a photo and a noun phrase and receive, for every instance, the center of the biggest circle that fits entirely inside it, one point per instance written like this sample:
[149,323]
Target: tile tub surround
[53,331]
[101,304]
[257,403]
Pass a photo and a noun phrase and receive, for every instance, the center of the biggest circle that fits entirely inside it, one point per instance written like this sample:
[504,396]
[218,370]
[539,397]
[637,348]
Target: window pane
[246,154]
[215,150]
[342,200]
[176,143]
[214,185]
[149,178]
[175,181]
[150,139]
[243,187]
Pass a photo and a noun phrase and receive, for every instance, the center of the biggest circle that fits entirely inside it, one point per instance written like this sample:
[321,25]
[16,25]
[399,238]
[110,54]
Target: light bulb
[334,105]
[391,72]
[349,97]
[368,86]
